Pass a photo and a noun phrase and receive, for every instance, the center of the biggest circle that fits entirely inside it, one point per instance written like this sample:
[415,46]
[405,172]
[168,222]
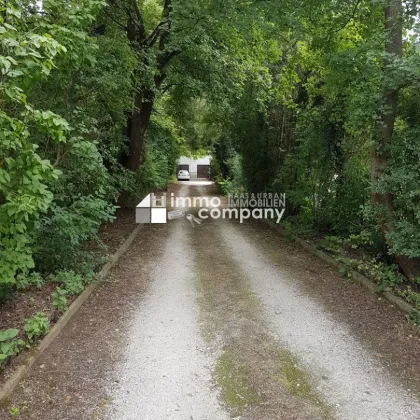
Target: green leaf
[8,334]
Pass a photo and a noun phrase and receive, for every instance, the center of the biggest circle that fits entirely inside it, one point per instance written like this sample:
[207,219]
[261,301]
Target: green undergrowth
[69,284]
[361,253]
[355,255]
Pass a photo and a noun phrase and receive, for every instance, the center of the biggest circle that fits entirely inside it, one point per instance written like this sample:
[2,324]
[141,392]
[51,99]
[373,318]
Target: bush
[29,280]
[37,326]
[60,299]
[72,282]
[82,202]
[235,182]
[9,346]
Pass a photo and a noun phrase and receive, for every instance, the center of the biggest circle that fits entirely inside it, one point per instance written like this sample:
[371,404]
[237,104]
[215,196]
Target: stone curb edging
[10,385]
[355,275]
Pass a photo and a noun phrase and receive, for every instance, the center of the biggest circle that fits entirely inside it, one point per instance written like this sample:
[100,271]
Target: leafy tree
[317,99]
[27,57]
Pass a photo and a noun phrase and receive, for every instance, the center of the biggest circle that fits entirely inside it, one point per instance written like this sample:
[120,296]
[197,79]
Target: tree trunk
[380,150]
[144,97]
[137,126]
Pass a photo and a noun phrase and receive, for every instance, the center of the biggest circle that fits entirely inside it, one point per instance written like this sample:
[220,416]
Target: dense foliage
[331,120]
[317,99]
[69,79]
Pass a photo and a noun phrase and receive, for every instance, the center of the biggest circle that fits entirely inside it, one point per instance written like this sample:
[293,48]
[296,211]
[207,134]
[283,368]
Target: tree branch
[350,18]
[154,36]
[120,25]
[140,22]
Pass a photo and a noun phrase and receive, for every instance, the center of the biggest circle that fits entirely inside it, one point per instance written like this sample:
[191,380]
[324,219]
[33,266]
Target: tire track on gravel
[347,374]
[258,379]
[166,370]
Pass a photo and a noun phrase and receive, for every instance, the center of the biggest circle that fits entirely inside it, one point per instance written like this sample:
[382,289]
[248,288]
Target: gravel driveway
[226,321]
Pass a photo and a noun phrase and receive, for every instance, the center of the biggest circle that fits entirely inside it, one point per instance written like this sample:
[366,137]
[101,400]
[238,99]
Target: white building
[198,168]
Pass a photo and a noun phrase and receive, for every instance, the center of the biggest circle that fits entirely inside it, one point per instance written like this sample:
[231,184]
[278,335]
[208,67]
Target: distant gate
[203,171]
